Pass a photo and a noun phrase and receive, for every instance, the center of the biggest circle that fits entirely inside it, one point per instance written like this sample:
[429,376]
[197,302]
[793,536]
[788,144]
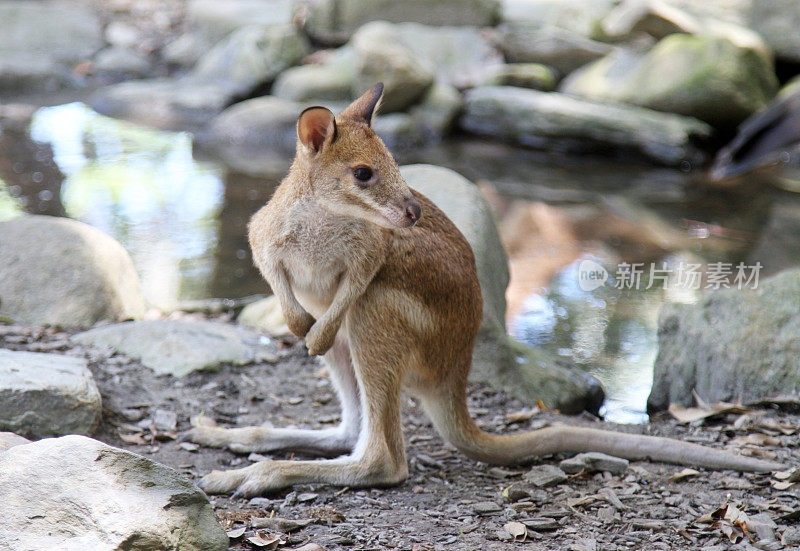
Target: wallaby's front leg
[297,319]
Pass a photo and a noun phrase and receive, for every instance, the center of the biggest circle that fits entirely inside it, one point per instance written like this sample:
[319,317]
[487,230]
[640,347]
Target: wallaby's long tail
[451,418]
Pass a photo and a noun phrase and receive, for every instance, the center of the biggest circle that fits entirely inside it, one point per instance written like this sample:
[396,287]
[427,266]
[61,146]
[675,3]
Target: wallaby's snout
[413,211]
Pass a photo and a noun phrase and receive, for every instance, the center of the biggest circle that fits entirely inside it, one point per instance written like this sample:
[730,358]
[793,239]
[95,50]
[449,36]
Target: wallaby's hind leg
[326,442]
[378,458]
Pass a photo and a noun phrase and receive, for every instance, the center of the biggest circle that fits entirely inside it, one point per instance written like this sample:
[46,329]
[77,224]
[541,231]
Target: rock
[777,247]
[545,476]
[460,56]
[264,315]
[42,41]
[255,136]
[251,57]
[400,131]
[184,51]
[8,440]
[593,462]
[709,78]
[438,109]
[653,17]
[165,420]
[382,56]
[774,20]
[335,21]
[211,20]
[170,104]
[331,80]
[541,524]
[47,395]
[530,374]
[58,271]
[540,119]
[555,47]
[523,75]
[89,495]
[735,344]
[791,536]
[581,17]
[173,347]
[486,508]
[121,62]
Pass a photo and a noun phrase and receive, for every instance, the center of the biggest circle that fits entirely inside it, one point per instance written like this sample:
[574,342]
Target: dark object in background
[764,140]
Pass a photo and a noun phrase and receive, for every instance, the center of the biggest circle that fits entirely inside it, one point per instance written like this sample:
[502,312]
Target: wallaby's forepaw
[255,480]
[299,323]
[319,340]
[212,437]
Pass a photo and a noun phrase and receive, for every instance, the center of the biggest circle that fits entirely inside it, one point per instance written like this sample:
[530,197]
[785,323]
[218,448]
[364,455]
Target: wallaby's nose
[413,211]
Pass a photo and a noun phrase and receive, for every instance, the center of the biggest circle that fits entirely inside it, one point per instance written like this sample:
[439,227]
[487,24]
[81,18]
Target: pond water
[183,220]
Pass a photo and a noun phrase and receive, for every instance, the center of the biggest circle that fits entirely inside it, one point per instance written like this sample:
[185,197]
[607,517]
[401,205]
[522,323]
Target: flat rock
[486,508]
[545,476]
[8,440]
[58,271]
[76,493]
[175,347]
[543,119]
[47,394]
[593,462]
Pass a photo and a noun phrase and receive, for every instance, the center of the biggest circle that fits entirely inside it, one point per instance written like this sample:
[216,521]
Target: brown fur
[392,306]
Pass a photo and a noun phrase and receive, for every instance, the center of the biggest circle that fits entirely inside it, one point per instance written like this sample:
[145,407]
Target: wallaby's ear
[364,107]
[315,127]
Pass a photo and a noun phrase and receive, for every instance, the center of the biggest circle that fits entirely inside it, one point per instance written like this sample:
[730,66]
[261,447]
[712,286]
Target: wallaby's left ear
[364,107]
[316,127]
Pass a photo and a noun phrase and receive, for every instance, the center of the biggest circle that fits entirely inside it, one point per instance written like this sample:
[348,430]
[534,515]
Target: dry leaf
[236,533]
[780,427]
[783,485]
[279,524]
[792,475]
[755,439]
[687,415]
[310,547]
[133,438]
[517,530]
[685,473]
[265,540]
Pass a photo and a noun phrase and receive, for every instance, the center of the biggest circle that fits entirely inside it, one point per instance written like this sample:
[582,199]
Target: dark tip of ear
[364,107]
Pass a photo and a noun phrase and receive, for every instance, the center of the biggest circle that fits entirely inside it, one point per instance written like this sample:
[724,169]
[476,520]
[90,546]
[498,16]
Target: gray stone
[791,536]
[460,56]
[593,462]
[255,136]
[58,271]
[43,40]
[523,75]
[335,21]
[540,119]
[438,109]
[47,395]
[732,345]
[530,374]
[706,77]
[778,248]
[211,20]
[8,440]
[383,56]
[486,508]
[77,493]
[119,61]
[264,315]
[653,17]
[400,131]
[581,17]
[165,420]
[555,47]
[251,56]
[174,347]
[331,80]
[541,524]
[545,476]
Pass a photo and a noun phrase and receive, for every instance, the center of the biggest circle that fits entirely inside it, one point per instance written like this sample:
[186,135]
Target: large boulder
[523,75]
[539,119]
[383,56]
[581,17]
[335,21]
[776,21]
[527,373]
[76,493]
[43,40]
[735,344]
[707,77]
[212,20]
[330,80]
[58,271]
[175,347]
[245,61]
[559,48]
[47,395]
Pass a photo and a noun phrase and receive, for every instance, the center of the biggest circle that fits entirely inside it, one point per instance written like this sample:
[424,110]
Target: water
[184,220]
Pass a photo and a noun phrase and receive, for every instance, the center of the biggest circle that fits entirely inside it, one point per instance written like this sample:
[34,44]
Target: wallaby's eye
[363,173]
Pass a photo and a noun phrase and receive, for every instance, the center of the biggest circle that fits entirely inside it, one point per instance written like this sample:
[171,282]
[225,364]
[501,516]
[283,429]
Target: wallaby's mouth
[405,214]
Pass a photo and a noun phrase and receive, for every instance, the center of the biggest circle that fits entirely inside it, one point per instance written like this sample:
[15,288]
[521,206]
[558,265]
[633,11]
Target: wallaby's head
[349,168]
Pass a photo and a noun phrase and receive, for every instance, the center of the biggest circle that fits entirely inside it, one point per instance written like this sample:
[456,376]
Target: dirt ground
[448,501]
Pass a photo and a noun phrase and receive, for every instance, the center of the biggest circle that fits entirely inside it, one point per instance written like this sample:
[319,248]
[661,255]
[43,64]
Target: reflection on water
[184,222]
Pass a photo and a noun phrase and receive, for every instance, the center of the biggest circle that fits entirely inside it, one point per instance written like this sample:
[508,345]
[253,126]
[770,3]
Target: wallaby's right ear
[316,127]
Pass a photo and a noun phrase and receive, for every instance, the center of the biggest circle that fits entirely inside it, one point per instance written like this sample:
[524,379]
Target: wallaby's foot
[320,339]
[326,442]
[265,477]
[300,322]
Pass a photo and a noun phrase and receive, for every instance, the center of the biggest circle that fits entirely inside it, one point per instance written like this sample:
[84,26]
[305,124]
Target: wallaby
[381,282]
